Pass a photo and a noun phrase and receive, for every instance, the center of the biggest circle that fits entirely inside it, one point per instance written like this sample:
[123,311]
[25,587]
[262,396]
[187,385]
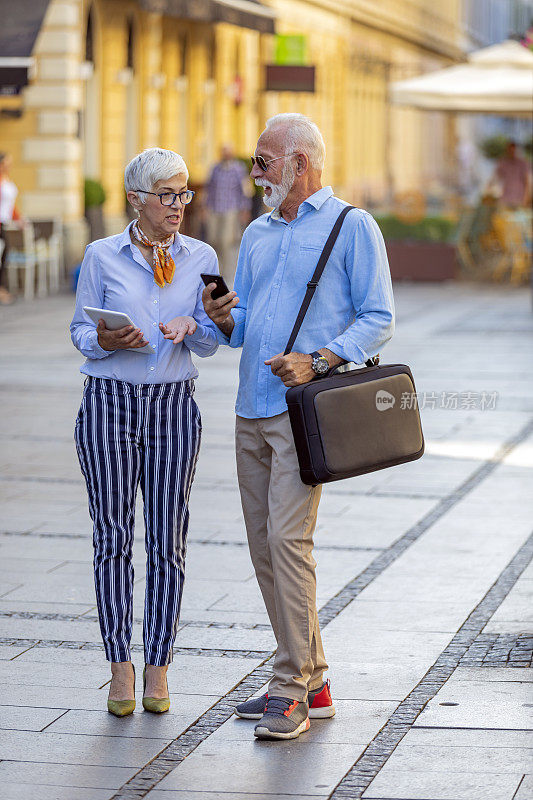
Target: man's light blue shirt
[352,312]
[114,275]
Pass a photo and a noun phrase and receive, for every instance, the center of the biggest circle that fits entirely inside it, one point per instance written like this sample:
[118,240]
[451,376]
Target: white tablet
[115,320]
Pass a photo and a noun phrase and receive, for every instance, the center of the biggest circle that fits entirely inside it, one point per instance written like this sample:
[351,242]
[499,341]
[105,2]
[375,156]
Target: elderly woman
[138,422]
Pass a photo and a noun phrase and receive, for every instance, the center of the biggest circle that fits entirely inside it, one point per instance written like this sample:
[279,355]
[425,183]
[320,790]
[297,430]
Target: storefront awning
[244,13]
[21,21]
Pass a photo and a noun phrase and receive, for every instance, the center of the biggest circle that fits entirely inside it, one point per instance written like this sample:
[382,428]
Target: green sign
[290,50]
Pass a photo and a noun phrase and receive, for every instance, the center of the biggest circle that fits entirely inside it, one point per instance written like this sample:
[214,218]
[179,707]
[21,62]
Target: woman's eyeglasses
[169,198]
[262,164]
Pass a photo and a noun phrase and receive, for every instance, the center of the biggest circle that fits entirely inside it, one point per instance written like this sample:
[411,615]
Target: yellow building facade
[111,77]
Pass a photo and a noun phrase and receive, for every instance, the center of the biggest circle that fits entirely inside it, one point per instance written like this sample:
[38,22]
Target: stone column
[53,151]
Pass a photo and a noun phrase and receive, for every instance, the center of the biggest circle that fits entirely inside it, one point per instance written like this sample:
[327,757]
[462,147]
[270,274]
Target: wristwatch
[320,364]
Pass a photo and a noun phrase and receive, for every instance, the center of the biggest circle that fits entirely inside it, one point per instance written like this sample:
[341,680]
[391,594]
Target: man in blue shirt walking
[350,318]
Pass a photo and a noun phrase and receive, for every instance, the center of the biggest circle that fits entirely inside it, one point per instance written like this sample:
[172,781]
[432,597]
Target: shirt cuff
[221,337]
[237,335]
[201,335]
[351,353]
[98,351]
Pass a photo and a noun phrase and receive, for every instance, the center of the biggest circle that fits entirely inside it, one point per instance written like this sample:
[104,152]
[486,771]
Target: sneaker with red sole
[320,704]
[283,719]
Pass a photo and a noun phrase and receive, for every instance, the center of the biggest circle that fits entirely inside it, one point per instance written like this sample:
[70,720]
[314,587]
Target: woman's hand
[178,328]
[121,339]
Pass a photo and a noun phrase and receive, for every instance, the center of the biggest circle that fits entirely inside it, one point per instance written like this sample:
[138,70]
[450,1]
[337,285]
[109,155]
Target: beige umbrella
[495,80]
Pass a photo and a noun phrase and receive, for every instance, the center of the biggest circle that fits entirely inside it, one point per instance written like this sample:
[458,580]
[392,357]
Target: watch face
[321,365]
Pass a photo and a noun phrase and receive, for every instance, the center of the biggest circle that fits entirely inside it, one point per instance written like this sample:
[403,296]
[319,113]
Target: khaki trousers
[280,516]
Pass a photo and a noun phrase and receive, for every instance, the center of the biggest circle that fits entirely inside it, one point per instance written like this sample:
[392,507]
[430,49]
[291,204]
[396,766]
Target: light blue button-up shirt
[114,275]
[352,312]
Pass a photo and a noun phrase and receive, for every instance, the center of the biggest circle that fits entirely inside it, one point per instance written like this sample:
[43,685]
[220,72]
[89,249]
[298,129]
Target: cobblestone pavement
[424,588]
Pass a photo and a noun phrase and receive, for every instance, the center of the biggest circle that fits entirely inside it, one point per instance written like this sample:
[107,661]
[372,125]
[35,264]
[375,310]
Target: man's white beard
[279,190]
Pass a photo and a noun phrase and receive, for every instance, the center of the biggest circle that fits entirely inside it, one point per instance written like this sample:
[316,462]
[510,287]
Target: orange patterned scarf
[162,261]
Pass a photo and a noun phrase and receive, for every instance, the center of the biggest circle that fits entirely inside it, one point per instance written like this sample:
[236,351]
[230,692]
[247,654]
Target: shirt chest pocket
[311,247]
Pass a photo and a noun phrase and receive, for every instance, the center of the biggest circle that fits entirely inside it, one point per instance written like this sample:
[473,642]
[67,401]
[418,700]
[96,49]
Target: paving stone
[480,705]
[355,722]
[33,696]
[173,794]
[27,719]
[515,613]
[470,738]
[7,587]
[26,565]
[525,792]
[408,615]
[310,768]
[234,638]
[52,673]
[27,773]
[504,649]
[7,653]
[207,675]
[183,712]
[8,608]
[16,791]
[57,588]
[367,521]
[74,670]
[108,751]
[361,644]
[47,547]
[456,759]
[361,680]
[441,786]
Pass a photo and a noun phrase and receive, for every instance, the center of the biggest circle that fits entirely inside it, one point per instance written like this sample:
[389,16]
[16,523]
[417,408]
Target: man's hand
[293,369]
[219,310]
[178,328]
[121,339]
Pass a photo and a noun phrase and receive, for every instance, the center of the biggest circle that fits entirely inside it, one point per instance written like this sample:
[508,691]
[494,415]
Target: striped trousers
[126,435]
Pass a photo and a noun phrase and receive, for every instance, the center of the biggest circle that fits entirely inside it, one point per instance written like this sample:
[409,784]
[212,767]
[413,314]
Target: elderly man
[349,319]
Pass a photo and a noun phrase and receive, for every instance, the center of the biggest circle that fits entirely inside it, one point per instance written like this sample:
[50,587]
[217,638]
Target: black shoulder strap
[313,283]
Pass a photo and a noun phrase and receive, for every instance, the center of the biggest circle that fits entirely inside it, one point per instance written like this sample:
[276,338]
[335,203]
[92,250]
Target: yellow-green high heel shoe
[157,705]
[122,708]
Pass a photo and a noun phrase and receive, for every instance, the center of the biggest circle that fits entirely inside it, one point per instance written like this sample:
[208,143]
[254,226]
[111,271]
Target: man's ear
[302,164]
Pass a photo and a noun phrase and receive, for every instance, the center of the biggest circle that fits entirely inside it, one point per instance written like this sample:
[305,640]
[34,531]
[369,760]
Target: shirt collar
[179,242]
[315,201]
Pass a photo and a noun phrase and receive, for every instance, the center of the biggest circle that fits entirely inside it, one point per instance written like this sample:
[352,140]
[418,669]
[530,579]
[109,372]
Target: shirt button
[152,369]
[154,324]
[155,301]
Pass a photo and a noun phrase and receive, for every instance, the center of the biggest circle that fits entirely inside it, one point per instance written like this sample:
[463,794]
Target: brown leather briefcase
[352,421]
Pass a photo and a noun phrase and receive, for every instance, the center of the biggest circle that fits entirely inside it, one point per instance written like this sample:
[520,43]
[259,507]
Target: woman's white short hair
[303,135]
[150,166]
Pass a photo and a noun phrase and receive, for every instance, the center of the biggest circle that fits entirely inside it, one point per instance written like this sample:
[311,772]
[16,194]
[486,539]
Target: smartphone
[221,288]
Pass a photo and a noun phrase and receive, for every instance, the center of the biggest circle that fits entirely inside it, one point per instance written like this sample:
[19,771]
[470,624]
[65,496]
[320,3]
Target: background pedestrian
[228,204]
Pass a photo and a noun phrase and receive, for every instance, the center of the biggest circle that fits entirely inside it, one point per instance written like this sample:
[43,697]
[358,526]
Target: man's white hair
[150,166]
[303,135]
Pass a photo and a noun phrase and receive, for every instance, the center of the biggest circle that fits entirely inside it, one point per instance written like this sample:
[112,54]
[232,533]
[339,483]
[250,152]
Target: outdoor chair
[25,256]
[47,234]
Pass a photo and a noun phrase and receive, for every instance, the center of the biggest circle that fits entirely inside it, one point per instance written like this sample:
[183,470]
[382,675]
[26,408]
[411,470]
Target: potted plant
[94,195]
[421,250]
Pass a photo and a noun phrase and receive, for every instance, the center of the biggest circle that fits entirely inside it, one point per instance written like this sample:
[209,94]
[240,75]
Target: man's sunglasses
[169,198]
[262,164]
